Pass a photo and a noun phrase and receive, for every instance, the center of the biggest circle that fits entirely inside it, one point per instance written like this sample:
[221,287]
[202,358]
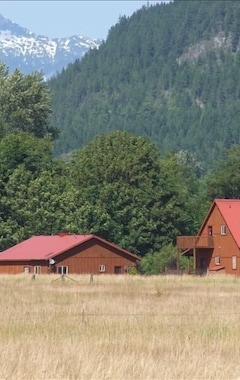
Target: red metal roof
[230,211]
[47,247]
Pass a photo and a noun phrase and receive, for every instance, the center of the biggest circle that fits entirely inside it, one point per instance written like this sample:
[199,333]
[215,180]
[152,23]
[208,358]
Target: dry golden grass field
[119,327]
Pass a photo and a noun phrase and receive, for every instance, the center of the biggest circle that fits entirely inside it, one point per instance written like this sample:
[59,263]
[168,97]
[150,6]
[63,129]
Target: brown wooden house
[216,247]
[67,254]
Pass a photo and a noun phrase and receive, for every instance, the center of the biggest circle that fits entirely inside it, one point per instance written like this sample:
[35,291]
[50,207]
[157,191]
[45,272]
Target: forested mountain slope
[170,72]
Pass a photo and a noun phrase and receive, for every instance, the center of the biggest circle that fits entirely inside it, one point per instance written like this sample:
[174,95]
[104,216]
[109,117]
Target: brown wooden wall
[224,245]
[88,257]
[83,259]
[17,267]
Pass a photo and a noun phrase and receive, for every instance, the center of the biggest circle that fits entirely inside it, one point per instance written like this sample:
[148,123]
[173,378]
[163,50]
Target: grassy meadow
[119,327]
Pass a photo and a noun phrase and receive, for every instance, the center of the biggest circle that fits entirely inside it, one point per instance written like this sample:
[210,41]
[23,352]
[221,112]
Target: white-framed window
[26,270]
[37,269]
[217,260]
[62,269]
[102,268]
[223,229]
[234,262]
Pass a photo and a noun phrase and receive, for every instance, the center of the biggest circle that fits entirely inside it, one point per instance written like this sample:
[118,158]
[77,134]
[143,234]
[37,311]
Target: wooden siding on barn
[19,267]
[224,244]
[214,245]
[88,257]
[85,258]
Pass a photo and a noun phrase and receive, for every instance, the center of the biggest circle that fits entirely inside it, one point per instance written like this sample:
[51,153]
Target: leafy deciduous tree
[25,103]
[224,180]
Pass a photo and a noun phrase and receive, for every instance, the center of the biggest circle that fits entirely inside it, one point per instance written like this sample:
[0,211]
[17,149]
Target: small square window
[217,260]
[102,268]
[223,229]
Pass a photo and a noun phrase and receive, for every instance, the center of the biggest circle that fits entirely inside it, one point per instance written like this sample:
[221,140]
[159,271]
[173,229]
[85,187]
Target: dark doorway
[209,230]
[203,263]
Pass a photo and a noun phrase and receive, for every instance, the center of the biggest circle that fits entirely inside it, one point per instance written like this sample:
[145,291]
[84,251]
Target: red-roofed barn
[216,247]
[66,254]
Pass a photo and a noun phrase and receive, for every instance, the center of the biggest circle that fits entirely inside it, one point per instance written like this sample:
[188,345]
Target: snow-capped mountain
[22,49]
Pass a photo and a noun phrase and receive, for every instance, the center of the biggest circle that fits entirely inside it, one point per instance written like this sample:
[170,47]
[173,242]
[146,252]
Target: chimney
[63,233]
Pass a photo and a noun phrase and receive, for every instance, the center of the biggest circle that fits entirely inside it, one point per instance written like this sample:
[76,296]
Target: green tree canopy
[25,103]
[224,180]
[23,148]
[35,195]
[133,198]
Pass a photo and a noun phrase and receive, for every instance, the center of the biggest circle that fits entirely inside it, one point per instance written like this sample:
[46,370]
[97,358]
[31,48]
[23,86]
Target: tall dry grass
[119,327]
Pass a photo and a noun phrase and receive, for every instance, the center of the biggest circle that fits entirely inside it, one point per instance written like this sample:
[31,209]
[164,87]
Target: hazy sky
[66,18]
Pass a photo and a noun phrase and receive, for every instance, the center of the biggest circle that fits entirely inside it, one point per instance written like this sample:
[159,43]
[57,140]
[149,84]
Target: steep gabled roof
[48,247]
[230,211]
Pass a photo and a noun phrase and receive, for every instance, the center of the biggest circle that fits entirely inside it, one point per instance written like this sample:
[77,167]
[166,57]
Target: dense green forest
[118,186]
[169,73]
[132,143]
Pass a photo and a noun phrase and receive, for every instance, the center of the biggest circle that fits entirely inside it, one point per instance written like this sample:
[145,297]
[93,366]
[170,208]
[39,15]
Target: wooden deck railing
[190,242]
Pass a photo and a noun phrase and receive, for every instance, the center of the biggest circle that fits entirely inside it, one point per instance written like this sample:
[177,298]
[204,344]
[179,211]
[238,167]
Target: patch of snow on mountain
[29,52]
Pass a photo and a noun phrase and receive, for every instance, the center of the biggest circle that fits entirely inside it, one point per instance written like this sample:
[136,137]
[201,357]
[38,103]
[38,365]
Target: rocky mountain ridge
[28,52]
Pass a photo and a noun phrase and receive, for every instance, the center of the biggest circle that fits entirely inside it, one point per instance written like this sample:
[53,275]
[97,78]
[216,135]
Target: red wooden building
[66,254]
[216,247]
